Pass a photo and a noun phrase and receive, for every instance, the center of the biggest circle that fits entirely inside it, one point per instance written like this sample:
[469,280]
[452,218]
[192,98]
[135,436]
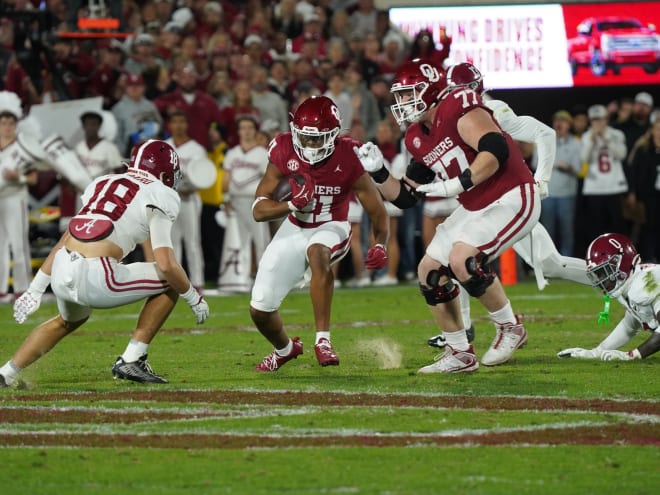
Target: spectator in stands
[645,188]
[142,55]
[604,149]
[312,30]
[423,46]
[220,89]
[638,122]
[137,118]
[363,19]
[73,65]
[269,104]
[286,20]
[278,79]
[365,106]
[104,80]
[341,99]
[558,210]
[193,102]
[340,26]
[255,49]
[210,21]
[392,56]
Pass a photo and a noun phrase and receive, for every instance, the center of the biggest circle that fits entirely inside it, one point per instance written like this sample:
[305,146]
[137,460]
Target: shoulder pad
[166,200]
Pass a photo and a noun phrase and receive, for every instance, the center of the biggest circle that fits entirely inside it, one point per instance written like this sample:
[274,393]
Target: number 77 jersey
[441,148]
[117,207]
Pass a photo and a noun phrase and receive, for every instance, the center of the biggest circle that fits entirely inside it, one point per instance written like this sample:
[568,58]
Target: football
[283,191]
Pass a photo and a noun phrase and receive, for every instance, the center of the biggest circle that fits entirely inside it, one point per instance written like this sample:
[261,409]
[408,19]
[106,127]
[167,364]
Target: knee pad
[482,275]
[433,292]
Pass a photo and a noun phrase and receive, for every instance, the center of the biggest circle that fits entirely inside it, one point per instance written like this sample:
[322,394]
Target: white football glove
[578,352]
[614,355]
[370,156]
[197,304]
[26,304]
[543,189]
[442,188]
[201,310]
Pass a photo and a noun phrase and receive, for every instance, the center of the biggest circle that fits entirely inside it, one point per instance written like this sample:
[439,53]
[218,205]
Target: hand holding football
[283,190]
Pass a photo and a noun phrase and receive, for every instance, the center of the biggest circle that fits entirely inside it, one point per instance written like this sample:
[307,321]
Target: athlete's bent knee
[482,275]
[436,293]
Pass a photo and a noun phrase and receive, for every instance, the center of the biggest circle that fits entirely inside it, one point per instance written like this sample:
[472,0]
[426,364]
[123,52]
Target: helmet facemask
[313,145]
[409,104]
[607,276]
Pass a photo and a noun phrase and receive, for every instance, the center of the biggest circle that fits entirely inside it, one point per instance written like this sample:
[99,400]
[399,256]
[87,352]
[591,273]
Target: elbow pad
[406,198]
[495,143]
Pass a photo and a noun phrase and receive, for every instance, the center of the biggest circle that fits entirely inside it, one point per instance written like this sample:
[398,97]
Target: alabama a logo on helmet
[430,72]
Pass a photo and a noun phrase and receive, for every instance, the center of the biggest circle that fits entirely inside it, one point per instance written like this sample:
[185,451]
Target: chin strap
[604,316]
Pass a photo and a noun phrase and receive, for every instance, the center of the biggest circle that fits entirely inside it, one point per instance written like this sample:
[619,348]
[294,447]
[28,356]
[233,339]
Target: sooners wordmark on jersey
[441,148]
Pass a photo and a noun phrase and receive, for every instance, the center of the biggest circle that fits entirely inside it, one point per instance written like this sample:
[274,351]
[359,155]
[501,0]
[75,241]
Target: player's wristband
[380,175]
[40,282]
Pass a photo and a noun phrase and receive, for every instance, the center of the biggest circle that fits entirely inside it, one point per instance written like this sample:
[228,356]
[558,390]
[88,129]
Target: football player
[118,212]
[454,135]
[537,248]
[316,232]
[614,267]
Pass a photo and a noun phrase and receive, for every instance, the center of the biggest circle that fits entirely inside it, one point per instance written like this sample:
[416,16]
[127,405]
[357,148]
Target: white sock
[504,315]
[286,351]
[9,372]
[457,340]
[134,351]
[322,335]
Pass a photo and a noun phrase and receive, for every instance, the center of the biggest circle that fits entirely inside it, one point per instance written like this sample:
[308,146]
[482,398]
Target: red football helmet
[611,259]
[314,128]
[417,87]
[465,74]
[158,159]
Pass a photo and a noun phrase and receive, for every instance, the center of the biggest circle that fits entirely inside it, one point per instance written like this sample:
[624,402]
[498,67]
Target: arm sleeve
[627,328]
[160,229]
[530,130]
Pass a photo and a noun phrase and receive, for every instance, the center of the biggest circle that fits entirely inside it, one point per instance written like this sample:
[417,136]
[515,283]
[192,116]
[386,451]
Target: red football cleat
[325,354]
[274,361]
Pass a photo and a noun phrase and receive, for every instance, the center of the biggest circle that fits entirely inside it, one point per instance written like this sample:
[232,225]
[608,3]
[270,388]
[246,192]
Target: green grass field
[370,426]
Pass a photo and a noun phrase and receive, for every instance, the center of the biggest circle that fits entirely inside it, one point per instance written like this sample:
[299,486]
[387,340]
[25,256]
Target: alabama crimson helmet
[611,259]
[314,128]
[159,159]
[417,87]
[465,75]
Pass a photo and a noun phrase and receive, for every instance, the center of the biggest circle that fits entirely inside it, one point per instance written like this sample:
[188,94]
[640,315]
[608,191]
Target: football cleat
[507,339]
[453,361]
[274,361]
[325,353]
[3,383]
[439,340]
[137,371]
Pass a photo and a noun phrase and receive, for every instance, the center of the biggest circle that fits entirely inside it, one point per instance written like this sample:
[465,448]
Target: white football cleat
[453,361]
[507,339]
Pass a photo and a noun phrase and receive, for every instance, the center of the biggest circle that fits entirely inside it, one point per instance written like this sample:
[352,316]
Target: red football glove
[376,257]
[302,193]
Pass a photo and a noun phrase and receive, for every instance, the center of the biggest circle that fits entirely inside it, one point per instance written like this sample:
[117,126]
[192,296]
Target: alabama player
[614,267]
[454,134]
[15,176]
[316,232]
[187,230]
[118,212]
[537,248]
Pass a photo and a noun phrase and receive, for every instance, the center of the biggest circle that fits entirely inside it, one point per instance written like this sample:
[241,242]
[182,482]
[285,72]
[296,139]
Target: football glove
[26,304]
[442,188]
[543,189]
[578,352]
[614,355]
[197,303]
[370,156]
[303,193]
[376,257]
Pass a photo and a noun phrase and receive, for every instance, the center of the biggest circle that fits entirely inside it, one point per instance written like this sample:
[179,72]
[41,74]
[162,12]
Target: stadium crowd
[217,64]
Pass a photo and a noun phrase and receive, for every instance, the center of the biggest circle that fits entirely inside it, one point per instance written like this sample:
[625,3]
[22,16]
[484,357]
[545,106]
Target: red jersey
[334,178]
[442,150]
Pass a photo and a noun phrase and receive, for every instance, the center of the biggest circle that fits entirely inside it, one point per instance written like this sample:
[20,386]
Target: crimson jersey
[442,150]
[334,178]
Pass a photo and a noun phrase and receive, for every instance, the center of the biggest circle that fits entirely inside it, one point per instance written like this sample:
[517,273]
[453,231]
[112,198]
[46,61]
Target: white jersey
[124,199]
[529,130]
[99,160]
[188,151]
[9,161]
[246,168]
[642,299]
[605,159]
